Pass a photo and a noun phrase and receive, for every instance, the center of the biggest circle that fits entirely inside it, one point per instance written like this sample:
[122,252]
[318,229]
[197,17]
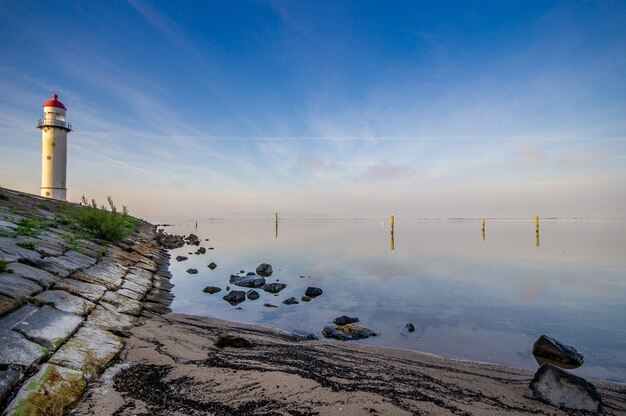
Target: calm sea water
[469,298]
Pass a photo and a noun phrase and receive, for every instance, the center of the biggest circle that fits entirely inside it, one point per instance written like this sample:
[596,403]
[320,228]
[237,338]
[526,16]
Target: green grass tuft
[4,265]
[26,244]
[3,197]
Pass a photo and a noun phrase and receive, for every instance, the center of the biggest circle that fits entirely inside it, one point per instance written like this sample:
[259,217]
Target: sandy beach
[171,366]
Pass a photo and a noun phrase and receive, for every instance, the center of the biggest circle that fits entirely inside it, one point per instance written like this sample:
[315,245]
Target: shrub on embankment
[102,222]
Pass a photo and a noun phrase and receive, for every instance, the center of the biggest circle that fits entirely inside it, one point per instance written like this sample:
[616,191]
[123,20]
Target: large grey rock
[15,317]
[274,287]
[8,379]
[89,291]
[106,274]
[562,389]
[116,302]
[247,280]
[49,327]
[41,277]
[52,391]
[111,320]
[15,286]
[64,301]
[551,349]
[90,350]
[17,350]
[264,269]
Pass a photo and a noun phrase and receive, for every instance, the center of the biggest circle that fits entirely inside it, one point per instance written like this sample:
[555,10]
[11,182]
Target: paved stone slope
[67,302]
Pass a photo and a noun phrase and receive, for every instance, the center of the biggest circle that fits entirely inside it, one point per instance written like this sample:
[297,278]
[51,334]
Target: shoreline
[171,365]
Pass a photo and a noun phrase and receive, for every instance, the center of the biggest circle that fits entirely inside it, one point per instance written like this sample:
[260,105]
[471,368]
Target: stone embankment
[67,302]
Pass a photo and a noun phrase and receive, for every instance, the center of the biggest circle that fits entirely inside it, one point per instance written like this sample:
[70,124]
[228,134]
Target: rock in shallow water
[560,388]
[235,297]
[212,266]
[553,350]
[252,294]
[347,332]
[344,319]
[211,289]
[291,301]
[313,292]
[410,327]
[274,287]
[264,269]
[181,258]
[247,281]
[192,271]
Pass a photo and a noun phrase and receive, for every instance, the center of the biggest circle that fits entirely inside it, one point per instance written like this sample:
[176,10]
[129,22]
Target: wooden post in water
[276,225]
[393,243]
[537,231]
[392,222]
[483,229]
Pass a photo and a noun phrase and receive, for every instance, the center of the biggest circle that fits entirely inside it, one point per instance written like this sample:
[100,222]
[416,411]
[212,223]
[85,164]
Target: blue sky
[198,109]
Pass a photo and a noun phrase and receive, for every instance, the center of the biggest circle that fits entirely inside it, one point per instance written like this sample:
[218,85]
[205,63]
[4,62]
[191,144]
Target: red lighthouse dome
[54,102]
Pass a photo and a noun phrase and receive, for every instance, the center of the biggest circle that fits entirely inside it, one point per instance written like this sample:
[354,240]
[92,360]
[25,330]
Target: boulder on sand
[347,332]
[562,389]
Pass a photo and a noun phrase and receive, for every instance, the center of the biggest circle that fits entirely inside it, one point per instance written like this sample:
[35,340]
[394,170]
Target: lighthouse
[54,129]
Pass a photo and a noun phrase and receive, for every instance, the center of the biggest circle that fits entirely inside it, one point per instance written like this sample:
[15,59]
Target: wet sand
[170,366]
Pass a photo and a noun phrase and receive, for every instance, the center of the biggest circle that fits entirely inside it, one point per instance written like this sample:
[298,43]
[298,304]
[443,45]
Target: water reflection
[486,301]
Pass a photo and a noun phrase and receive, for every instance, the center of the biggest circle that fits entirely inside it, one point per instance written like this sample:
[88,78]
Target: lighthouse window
[47,193]
[48,157]
[53,144]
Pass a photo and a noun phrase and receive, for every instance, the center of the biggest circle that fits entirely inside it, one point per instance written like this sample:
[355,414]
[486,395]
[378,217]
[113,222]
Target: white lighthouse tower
[54,129]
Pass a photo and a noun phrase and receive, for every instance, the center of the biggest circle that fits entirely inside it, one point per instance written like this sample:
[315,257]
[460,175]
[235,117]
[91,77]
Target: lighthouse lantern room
[54,128]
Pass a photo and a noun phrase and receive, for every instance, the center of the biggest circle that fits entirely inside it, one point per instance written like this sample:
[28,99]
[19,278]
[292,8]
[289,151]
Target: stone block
[106,274]
[81,259]
[17,350]
[116,302]
[15,286]
[41,277]
[90,350]
[89,291]
[51,392]
[15,317]
[8,379]
[49,327]
[111,320]
[66,302]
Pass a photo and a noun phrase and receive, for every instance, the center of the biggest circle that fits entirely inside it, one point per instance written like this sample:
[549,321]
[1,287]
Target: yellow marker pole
[483,229]
[393,243]
[276,225]
[392,222]
[537,231]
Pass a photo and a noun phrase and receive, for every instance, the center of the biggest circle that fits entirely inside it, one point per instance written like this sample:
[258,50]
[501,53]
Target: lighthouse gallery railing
[54,123]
